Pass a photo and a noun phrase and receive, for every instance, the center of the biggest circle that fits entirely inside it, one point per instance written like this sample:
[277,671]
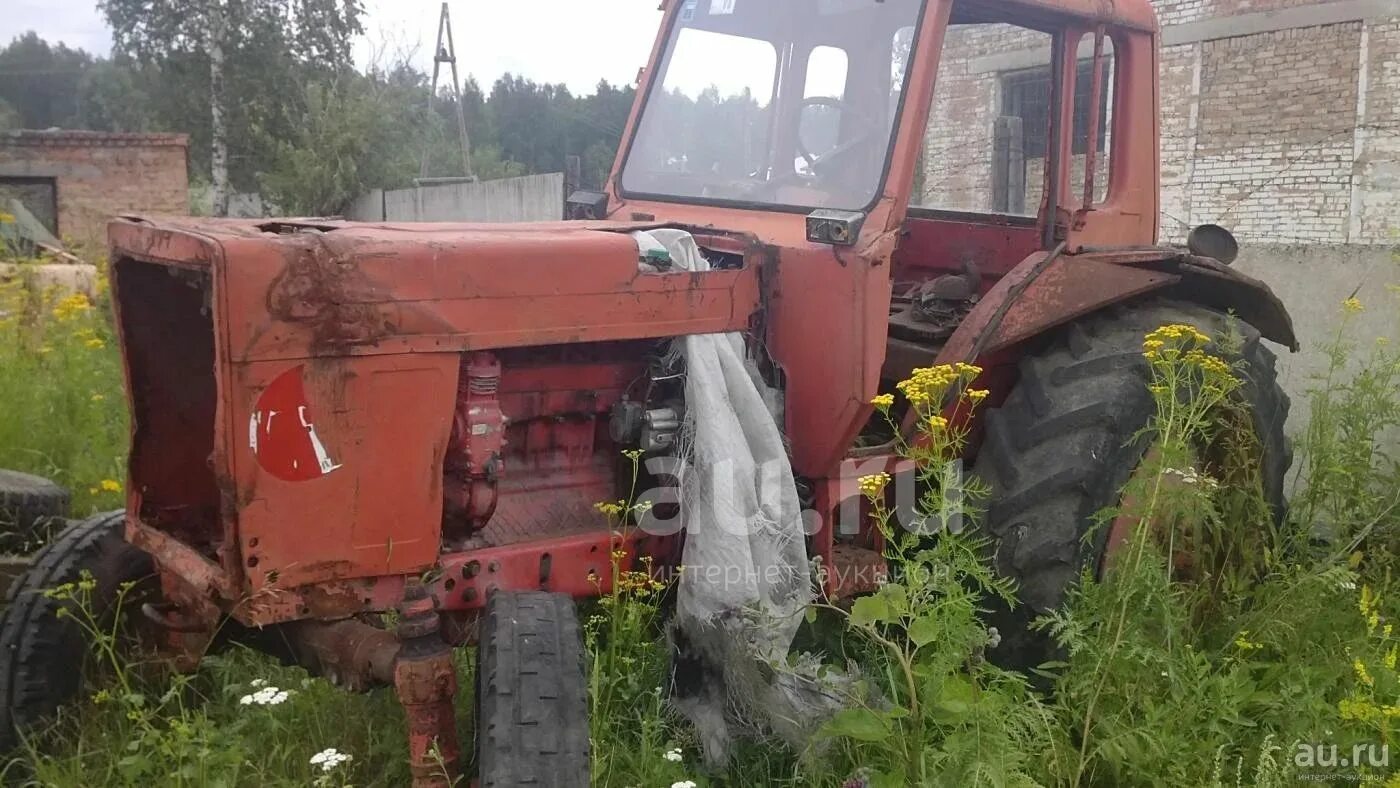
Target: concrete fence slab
[530,198]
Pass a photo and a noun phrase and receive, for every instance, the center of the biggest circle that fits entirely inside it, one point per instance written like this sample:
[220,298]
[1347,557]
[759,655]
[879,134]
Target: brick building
[1280,119]
[73,181]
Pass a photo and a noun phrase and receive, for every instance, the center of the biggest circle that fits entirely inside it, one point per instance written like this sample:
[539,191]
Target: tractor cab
[793,107]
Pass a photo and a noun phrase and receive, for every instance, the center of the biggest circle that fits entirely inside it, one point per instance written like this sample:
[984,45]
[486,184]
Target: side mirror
[1212,240]
[586,205]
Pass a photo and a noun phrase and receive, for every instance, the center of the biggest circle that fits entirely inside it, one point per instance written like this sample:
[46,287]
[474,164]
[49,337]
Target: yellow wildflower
[110,485]
[967,370]
[95,343]
[1180,333]
[1352,305]
[1362,675]
[98,397]
[609,508]
[1390,658]
[1357,708]
[1243,643]
[882,401]
[871,486]
[928,384]
[977,395]
[1369,605]
[1211,365]
[937,423]
[71,306]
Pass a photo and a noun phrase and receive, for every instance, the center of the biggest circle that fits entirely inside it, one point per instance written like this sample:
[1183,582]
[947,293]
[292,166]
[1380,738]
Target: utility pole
[446,52]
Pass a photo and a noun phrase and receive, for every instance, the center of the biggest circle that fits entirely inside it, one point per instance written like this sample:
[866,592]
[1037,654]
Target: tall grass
[62,413]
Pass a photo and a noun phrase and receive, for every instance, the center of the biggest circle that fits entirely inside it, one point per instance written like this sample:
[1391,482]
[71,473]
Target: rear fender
[1047,290]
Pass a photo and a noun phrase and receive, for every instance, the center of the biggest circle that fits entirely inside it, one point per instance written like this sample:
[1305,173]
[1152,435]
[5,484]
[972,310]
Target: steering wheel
[858,138]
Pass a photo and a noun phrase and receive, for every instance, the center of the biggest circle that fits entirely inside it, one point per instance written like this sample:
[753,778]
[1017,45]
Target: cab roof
[1135,14]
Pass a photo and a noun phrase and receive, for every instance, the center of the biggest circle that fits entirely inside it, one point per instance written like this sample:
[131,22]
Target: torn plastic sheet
[746,580]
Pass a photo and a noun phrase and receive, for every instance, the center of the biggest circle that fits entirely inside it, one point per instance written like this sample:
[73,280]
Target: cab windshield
[786,103]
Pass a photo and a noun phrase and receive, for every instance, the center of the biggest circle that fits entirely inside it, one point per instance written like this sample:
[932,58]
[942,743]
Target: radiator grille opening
[168,339]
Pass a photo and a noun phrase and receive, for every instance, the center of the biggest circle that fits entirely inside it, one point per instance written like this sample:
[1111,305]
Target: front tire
[531,693]
[1068,438]
[41,653]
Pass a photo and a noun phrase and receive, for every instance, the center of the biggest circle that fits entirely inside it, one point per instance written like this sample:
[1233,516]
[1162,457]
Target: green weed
[64,414]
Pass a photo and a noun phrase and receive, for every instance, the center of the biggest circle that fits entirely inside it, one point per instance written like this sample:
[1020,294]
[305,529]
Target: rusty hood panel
[300,289]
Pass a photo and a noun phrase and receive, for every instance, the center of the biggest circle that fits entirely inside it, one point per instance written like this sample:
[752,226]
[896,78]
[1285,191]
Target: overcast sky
[576,42]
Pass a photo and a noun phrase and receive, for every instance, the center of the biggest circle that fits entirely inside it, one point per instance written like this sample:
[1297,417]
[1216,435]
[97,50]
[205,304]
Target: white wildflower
[1192,476]
[330,758]
[255,683]
[267,696]
[674,756]
[683,784]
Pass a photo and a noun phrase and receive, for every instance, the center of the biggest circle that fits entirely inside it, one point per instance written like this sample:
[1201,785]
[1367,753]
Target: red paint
[282,432]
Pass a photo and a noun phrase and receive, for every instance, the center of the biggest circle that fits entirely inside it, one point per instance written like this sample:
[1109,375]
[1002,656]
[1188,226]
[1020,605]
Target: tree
[39,81]
[355,133]
[245,48]
[540,125]
[115,97]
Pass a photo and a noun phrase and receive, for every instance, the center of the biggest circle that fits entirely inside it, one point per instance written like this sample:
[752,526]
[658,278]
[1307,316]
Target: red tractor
[333,419]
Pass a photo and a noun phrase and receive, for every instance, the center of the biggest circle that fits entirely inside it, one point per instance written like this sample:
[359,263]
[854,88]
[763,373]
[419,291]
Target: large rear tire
[531,694]
[1065,442]
[42,655]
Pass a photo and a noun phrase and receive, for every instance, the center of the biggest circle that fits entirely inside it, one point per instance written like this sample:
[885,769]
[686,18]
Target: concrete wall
[531,198]
[1313,280]
[241,205]
[100,174]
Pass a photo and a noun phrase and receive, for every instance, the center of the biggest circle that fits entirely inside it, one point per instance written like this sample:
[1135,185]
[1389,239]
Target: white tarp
[746,579]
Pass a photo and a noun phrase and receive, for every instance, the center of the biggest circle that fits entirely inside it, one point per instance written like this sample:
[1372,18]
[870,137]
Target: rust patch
[329,600]
[318,289]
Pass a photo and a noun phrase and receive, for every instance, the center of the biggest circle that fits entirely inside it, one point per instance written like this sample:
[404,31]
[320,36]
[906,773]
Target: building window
[972,152]
[37,196]
[1026,95]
